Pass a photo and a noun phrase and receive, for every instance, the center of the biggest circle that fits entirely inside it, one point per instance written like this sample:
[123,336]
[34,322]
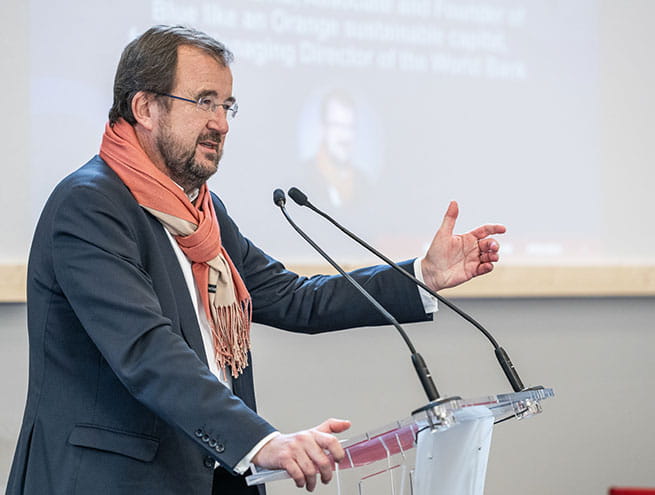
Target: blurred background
[537,114]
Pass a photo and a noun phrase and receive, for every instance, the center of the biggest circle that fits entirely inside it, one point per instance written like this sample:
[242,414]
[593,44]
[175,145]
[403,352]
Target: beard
[182,161]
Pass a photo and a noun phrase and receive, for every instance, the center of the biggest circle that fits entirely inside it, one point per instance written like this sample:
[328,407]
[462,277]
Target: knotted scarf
[194,227]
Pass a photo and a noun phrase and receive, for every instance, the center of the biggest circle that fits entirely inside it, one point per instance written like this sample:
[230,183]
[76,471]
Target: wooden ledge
[513,281]
[504,282]
[13,280]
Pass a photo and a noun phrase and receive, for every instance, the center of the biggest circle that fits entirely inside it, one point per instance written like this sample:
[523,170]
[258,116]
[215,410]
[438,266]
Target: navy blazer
[120,397]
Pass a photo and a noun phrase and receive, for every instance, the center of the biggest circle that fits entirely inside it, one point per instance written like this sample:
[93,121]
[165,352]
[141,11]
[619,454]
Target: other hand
[304,454]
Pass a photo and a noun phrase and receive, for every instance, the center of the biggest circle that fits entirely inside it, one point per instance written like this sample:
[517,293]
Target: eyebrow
[211,92]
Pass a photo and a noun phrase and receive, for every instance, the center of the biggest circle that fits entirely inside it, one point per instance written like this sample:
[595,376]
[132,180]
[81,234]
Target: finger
[333,425]
[329,443]
[310,482]
[325,464]
[308,468]
[322,463]
[489,258]
[487,230]
[484,268]
[296,473]
[488,245]
[449,219]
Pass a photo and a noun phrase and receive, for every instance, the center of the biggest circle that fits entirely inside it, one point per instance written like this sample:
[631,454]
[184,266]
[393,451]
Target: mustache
[214,136]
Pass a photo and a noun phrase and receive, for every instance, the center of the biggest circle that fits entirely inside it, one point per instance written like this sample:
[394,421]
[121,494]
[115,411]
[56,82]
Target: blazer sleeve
[100,264]
[320,303]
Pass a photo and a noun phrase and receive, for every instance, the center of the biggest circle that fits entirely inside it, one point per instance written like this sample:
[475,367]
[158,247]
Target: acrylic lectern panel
[439,449]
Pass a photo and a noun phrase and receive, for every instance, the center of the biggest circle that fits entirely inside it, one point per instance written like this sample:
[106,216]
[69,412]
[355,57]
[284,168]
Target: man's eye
[206,102]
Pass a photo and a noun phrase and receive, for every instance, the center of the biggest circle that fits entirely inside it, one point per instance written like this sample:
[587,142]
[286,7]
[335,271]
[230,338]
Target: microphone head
[279,198]
[298,196]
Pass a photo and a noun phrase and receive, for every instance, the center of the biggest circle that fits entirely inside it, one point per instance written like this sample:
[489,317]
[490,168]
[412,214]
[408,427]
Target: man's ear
[145,109]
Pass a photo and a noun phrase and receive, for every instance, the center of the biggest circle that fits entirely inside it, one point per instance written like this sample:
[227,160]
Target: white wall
[14,187]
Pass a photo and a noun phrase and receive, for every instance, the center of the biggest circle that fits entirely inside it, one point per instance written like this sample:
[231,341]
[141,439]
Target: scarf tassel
[231,336]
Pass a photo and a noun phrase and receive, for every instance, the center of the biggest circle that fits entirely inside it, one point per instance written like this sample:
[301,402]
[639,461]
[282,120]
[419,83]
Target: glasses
[209,104]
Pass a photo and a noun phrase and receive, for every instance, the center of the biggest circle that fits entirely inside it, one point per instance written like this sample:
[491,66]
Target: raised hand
[453,259]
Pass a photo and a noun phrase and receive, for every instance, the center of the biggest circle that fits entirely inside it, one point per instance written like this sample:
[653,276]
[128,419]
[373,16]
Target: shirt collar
[193,195]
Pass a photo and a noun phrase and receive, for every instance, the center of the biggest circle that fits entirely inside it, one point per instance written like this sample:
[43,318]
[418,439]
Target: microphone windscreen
[279,198]
[298,196]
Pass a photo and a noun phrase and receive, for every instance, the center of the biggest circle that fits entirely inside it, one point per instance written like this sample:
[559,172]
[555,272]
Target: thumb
[333,425]
[449,219]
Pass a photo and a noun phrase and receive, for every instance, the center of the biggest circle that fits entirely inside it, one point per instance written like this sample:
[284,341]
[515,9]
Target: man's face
[189,140]
[339,130]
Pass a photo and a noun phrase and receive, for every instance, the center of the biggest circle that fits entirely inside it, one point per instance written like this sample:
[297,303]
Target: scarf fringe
[231,336]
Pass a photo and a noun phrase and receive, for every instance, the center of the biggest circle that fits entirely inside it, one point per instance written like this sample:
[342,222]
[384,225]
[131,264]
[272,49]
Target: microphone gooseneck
[417,360]
[501,355]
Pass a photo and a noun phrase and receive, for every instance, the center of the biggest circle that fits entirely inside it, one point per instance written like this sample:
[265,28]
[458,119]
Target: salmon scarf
[194,227]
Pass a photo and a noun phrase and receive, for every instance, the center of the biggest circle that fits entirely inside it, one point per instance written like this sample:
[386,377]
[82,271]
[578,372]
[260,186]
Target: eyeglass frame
[232,107]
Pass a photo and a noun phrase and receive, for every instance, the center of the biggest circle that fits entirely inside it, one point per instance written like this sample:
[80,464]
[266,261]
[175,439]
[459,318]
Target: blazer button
[212,443]
[198,433]
[205,438]
[208,462]
[220,448]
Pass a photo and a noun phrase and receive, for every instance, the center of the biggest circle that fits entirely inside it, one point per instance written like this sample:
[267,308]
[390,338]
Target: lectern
[440,449]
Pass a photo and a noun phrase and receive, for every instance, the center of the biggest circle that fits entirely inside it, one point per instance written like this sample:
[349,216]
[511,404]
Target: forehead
[337,111]
[198,71]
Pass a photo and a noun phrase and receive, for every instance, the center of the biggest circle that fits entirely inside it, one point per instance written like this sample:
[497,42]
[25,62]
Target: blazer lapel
[185,310]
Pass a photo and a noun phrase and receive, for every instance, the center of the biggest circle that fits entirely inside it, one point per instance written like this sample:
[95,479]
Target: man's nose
[218,121]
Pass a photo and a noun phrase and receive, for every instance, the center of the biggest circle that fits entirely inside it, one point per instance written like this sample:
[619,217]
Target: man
[331,173]
[141,292]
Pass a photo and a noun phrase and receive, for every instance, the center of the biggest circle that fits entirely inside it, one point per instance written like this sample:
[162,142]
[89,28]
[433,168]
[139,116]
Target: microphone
[279,198]
[417,360]
[501,355]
